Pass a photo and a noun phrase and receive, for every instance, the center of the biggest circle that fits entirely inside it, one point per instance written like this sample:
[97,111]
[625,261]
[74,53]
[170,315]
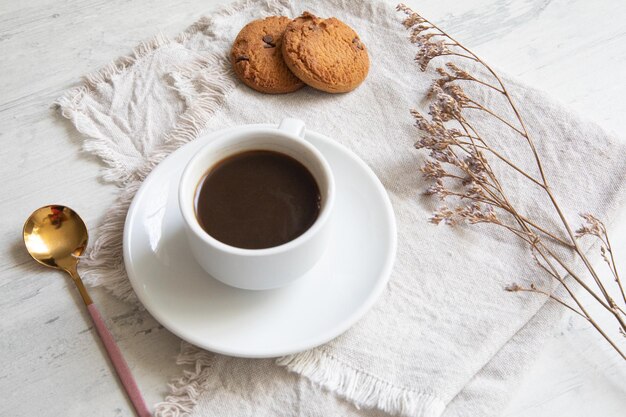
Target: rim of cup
[186,200]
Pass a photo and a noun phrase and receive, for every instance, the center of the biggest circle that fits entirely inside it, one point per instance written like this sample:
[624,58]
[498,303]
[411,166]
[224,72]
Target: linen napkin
[445,338]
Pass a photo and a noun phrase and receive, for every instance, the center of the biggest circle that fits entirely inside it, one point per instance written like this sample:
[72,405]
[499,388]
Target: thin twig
[547,233]
[558,300]
[486,84]
[614,268]
[579,304]
[459,55]
[503,158]
[485,109]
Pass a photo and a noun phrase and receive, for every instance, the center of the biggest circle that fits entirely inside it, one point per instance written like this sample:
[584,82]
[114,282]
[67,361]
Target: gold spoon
[56,236]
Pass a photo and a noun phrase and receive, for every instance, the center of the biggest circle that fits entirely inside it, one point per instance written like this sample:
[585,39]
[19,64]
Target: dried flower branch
[460,168]
[594,227]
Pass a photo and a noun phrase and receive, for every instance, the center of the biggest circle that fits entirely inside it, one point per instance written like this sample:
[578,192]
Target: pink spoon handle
[123,372]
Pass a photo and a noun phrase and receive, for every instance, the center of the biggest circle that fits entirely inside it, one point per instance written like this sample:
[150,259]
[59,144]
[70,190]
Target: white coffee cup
[258,269]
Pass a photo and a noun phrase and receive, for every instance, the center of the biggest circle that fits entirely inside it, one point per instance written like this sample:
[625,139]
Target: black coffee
[257,199]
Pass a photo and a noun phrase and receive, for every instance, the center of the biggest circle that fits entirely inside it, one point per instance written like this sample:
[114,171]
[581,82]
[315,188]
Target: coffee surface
[257,199]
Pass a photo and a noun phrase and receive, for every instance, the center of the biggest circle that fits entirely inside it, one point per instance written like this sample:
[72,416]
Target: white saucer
[316,308]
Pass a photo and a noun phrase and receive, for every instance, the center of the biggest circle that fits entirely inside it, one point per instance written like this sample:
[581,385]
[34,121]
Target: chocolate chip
[269,41]
[357,43]
[242,58]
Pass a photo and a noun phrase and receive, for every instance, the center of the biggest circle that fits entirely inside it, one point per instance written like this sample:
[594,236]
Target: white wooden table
[50,361]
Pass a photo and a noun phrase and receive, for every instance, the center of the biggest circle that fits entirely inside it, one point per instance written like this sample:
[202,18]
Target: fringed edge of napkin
[211,82]
[185,391]
[359,387]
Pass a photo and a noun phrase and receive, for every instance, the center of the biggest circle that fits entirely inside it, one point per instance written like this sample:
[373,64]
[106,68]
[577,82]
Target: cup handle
[293,126]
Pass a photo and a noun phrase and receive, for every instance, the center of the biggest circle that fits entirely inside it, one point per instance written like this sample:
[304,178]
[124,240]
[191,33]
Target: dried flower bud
[432,170]
[592,226]
[443,214]
[457,93]
[445,107]
[412,19]
[428,50]
[459,74]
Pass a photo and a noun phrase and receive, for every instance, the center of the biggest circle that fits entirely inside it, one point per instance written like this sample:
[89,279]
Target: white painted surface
[50,361]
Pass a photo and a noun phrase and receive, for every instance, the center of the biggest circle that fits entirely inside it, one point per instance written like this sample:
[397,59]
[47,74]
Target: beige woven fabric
[444,339]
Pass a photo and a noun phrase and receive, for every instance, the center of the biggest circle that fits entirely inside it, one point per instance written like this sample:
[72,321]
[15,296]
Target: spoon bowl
[55,236]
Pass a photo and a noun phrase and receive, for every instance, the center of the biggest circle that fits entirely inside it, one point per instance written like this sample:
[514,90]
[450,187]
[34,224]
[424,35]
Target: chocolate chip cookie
[257,58]
[326,54]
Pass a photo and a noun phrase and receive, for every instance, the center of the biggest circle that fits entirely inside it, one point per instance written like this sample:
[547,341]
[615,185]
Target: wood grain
[51,361]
